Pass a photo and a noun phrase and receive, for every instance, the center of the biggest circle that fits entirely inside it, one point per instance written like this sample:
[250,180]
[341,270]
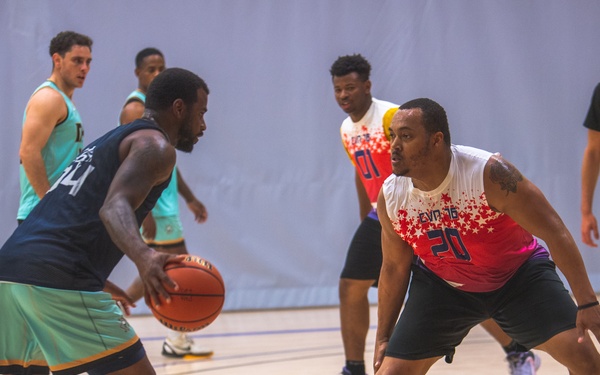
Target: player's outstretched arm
[508,191]
[147,160]
[393,281]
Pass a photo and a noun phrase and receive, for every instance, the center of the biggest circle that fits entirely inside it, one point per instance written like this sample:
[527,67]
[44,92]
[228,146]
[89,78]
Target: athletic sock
[356,367]
[514,347]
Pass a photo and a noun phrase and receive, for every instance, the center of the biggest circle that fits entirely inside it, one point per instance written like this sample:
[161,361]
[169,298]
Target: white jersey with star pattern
[453,230]
[368,147]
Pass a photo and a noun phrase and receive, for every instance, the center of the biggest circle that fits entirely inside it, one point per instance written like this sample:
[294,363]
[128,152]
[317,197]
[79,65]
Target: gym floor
[303,342]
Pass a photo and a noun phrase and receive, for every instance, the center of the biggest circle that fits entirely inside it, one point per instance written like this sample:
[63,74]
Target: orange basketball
[199,299]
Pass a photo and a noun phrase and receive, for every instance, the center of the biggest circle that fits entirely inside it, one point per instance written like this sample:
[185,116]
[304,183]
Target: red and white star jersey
[452,229]
[368,147]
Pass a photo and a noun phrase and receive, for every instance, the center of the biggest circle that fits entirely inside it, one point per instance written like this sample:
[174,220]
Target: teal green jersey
[167,204]
[135,96]
[64,144]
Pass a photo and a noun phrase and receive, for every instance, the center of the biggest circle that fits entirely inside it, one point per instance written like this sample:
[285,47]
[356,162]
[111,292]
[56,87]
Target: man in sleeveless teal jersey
[52,133]
[162,229]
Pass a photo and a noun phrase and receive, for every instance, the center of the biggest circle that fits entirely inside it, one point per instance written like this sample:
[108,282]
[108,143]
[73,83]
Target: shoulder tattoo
[505,175]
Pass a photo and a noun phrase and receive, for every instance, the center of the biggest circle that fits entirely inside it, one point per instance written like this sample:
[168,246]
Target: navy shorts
[363,261]
[532,307]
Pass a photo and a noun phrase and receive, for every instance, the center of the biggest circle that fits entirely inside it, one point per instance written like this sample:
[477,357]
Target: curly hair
[356,63]
[172,84]
[65,40]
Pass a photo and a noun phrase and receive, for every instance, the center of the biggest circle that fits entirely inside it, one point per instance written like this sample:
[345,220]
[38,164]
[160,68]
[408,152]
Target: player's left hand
[123,300]
[198,209]
[588,319]
[125,303]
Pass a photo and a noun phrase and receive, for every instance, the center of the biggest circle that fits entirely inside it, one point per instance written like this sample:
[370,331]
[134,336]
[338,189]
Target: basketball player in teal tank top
[63,145]
[52,133]
[162,229]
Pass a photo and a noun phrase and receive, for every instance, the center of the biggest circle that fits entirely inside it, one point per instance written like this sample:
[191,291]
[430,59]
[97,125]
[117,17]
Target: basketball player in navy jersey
[55,265]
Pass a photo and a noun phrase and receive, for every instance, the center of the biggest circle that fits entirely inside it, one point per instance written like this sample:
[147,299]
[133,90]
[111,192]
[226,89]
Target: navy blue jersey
[63,243]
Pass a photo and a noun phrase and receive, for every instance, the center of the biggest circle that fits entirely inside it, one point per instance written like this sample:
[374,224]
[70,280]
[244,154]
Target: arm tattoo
[505,175]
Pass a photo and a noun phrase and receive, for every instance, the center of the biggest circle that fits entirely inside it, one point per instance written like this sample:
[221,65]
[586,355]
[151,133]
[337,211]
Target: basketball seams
[215,275]
[188,321]
[199,299]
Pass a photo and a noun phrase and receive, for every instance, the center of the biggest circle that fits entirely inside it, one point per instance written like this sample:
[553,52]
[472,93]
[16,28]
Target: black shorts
[363,261]
[531,307]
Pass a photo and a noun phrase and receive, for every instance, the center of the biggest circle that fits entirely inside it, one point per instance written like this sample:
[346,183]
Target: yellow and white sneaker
[182,346]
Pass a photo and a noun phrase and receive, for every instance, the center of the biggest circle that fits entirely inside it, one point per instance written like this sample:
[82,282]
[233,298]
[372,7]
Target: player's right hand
[588,320]
[379,354]
[589,230]
[153,275]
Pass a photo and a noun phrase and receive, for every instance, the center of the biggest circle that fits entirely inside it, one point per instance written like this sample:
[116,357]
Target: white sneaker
[523,363]
[183,345]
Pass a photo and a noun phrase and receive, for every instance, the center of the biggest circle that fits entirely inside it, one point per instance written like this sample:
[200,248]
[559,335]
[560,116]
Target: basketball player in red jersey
[365,136]
[459,223]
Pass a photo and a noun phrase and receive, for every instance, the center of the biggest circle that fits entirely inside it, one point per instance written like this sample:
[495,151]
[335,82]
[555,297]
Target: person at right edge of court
[54,267]
[590,168]
[464,223]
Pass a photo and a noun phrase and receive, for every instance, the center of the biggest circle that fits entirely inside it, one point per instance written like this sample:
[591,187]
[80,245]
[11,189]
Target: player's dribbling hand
[155,279]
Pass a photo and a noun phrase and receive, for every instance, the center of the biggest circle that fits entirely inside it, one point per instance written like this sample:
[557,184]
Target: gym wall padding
[515,77]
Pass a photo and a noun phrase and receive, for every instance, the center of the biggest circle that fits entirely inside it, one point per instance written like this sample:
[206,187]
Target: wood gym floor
[303,342]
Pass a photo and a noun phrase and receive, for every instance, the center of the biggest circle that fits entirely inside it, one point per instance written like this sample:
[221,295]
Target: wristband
[588,305]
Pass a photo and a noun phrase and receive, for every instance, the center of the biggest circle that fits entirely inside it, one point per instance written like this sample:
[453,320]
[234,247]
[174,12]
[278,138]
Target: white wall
[514,76]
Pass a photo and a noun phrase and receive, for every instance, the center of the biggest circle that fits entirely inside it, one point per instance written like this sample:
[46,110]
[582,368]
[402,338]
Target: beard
[405,169]
[186,138]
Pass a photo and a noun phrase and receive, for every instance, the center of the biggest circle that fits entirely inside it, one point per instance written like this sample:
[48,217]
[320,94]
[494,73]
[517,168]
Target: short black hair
[172,84]
[434,116]
[65,40]
[345,65]
[150,51]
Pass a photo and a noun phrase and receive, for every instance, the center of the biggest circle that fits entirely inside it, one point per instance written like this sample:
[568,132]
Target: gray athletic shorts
[531,307]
